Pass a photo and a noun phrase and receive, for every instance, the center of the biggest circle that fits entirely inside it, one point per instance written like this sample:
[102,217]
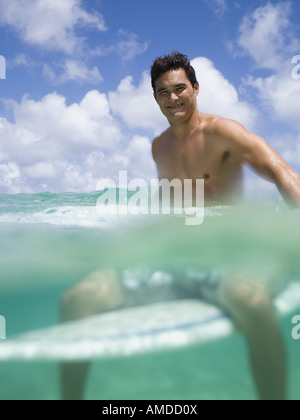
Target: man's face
[175,95]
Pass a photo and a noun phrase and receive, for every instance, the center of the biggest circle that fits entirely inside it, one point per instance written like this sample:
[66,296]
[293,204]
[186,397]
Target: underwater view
[50,242]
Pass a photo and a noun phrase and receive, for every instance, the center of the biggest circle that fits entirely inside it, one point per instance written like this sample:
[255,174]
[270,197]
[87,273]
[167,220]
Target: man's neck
[183,129]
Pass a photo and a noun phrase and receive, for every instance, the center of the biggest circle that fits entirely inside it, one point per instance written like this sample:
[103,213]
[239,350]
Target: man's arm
[256,152]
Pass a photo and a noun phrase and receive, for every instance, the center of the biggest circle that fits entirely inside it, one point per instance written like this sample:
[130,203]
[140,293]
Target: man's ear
[196,88]
[155,97]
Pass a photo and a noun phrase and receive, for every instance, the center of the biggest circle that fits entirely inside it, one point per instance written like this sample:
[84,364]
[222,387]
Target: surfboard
[126,332]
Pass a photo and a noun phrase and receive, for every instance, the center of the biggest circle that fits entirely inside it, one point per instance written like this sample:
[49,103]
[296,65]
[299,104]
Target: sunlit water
[50,242]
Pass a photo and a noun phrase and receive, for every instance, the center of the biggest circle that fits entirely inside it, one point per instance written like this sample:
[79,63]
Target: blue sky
[76,105]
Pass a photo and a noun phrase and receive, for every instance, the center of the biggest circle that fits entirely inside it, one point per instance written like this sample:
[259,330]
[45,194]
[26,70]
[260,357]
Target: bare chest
[212,160]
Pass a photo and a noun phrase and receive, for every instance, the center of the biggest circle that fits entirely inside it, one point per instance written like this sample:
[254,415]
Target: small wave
[85,216]
[89,216]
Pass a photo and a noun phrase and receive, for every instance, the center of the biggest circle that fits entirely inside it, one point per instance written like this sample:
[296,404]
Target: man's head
[174,61]
[175,87]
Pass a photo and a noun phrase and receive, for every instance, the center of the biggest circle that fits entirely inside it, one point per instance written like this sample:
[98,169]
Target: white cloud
[267,36]
[139,154]
[40,170]
[290,148]
[50,24]
[134,156]
[218,96]
[136,105]
[48,140]
[128,45]
[281,94]
[21,60]
[258,188]
[10,177]
[73,71]
[52,146]
[293,155]
[54,25]
[52,123]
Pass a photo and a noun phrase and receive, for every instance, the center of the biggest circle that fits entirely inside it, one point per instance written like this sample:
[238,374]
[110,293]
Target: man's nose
[173,96]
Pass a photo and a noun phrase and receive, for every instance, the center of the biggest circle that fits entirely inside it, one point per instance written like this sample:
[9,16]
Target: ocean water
[49,242]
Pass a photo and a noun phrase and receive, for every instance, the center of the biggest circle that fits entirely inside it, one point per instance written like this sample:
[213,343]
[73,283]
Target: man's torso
[202,155]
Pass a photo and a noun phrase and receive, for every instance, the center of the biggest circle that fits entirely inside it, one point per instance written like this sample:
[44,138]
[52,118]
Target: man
[201,146]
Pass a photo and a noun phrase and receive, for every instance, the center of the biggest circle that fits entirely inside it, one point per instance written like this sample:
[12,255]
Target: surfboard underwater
[126,332]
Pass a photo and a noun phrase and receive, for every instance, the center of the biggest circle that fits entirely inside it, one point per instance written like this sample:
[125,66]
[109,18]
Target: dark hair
[173,61]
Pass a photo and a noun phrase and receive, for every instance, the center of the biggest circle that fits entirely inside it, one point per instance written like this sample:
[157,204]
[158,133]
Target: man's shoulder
[164,135]
[159,142]
[229,134]
[217,124]
[227,130]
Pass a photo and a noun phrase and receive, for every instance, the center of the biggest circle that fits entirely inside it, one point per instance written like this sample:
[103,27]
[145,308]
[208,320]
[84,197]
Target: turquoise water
[50,242]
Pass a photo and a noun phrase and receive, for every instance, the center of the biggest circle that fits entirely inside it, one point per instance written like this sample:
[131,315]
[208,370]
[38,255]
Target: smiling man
[198,146]
[202,146]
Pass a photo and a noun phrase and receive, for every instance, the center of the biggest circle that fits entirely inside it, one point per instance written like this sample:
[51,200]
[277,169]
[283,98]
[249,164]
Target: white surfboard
[132,331]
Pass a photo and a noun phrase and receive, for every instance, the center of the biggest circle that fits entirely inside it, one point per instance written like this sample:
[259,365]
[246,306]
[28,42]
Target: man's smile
[175,107]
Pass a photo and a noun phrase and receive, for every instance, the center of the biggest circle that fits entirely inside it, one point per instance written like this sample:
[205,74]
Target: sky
[76,104]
